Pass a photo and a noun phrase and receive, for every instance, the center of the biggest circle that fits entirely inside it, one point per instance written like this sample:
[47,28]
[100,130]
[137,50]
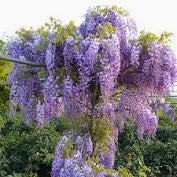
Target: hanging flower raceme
[135,103]
[52,105]
[110,66]
[159,69]
[69,161]
[24,91]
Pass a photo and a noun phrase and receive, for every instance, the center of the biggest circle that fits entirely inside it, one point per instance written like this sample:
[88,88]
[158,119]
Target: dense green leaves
[146,38]
[59,30]
[151,157]
[27,150]
[5,68]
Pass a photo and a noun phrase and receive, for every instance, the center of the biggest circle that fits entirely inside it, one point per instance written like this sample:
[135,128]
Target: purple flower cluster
[147,123]
[76,101]
[134,103]
[127,31]
[92,19]
[110,66]
[87,60]
[159,69]
[75,165]
[38,100]
[48,110]
[105,174]
[24,91]
[70,55]
[136,50]
[107,158]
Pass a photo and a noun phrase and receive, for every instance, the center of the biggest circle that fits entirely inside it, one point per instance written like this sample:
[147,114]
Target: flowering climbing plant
[98,75]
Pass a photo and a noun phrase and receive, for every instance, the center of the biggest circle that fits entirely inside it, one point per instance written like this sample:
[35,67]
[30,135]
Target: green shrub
[154,157]
[161,157]
[23,175]
[129,154]
[160,153]
[27,150]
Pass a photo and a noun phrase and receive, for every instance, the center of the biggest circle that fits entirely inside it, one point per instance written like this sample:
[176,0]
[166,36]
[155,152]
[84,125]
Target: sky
[150,15]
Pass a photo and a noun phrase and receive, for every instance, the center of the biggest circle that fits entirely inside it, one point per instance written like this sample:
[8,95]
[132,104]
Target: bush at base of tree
[154,157]
[28,151]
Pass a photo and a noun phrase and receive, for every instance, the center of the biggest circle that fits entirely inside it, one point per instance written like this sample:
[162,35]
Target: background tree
[5,68]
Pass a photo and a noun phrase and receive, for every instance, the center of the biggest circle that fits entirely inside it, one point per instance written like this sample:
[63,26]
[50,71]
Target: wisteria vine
[81,79]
